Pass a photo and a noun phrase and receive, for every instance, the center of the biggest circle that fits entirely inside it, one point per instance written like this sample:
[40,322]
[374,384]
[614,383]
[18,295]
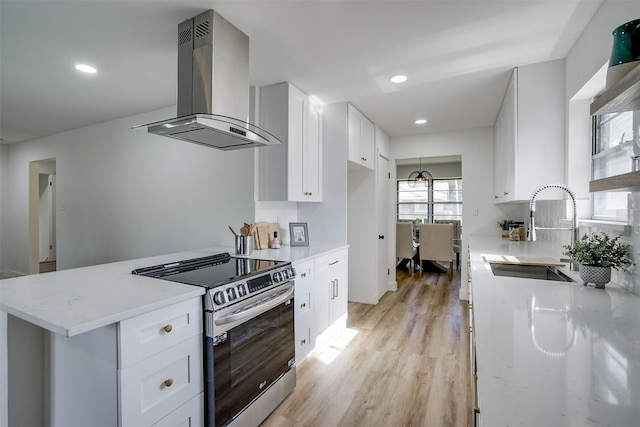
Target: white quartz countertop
[552,353]
[70,302]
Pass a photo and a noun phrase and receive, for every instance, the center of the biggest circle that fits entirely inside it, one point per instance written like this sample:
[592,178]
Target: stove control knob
[242,291]
[292,272]
[231,294]
[218,298]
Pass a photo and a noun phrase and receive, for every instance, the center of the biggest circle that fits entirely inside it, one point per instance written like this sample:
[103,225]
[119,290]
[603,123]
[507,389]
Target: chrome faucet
[531,228]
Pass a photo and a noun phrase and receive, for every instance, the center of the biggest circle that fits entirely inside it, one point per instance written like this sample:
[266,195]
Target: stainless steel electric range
[249,333]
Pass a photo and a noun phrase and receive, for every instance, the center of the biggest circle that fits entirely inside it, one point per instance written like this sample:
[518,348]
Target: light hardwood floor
[402,362]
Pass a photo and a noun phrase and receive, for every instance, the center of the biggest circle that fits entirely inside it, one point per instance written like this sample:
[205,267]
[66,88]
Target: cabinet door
[354,135]
[312,156]
[298,106]
[304,285]
[339,300]
[304,338]
[332,287]
[322,295]
[145,335]
[360,138]
[366,142]
[189,414]
[505,145]
[290,171]
[154,387]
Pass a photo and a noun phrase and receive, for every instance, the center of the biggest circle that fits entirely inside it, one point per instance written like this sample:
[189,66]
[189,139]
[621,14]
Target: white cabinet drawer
[150,333]
[188,415]
[304,342]
[153,388]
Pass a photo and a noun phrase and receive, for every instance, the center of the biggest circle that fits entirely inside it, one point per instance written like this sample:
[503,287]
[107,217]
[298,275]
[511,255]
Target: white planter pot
[599,276]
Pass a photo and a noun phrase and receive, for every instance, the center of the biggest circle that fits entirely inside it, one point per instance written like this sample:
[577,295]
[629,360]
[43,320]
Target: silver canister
[244,245]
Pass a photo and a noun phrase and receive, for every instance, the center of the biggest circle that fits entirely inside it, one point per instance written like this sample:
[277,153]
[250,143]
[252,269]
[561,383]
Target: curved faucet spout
[531,228]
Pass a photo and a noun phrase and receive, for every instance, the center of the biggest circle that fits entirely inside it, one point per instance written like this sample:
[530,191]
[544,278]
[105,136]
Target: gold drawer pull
[303,275]
[168,328]
[169,382]
[303,342]
[303,305]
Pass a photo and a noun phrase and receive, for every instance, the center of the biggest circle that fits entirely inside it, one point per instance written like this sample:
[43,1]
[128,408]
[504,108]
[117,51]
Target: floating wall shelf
[625,182]
[622,96]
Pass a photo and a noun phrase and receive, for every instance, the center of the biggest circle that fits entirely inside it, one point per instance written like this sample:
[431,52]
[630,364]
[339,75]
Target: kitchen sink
[541,272]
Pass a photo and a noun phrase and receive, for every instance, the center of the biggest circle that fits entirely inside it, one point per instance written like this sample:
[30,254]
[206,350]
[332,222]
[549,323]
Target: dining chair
[436,244]
[457,237]
[405,246]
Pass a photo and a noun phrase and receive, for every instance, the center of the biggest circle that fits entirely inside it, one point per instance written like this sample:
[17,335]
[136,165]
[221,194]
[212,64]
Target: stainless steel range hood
[213,87]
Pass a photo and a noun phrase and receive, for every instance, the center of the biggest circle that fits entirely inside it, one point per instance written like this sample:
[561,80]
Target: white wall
[124,194]
[587,56]
[593,47]
[438,170]
[476,148]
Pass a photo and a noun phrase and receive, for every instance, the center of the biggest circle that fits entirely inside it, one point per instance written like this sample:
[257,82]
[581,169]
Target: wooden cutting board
[260,235]
[521,260]
[264,233]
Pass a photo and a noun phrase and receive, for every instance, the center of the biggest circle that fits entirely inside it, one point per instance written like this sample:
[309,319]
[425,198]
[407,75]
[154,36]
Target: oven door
[249,358]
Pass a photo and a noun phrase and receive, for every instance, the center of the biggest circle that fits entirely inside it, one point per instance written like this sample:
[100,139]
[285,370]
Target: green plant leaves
[598,249]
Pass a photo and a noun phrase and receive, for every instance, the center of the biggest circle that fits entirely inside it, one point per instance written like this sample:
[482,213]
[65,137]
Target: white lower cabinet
[303,309]
[321,299]
[143,371]
[154,387]
[331,290]
[161,365]
[188,415]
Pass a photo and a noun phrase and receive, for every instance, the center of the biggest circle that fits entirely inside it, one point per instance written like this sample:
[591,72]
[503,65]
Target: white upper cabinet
[530,133]
[361,138]
[291,171]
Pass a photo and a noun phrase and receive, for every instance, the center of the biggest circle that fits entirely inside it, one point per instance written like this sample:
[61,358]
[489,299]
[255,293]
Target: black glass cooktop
[208,271]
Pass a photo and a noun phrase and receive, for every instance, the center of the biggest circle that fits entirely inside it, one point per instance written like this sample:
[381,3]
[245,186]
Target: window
[441,201]
[447,199]
[610,133]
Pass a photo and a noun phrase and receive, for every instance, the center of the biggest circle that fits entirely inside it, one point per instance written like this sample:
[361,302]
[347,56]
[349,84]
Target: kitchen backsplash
[548,213]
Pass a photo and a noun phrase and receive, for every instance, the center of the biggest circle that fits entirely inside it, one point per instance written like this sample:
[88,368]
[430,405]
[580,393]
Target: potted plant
[598,254]
[504,226]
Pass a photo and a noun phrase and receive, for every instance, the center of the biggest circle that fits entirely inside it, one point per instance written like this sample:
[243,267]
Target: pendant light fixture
[420,178]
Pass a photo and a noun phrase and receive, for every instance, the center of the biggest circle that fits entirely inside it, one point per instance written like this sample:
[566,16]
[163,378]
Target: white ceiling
[457,55]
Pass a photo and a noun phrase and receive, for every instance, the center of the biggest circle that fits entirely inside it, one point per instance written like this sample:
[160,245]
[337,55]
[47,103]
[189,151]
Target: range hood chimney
[213,87]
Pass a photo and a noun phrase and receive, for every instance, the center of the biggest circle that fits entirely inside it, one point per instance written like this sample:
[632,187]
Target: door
[42,218]
[382,194]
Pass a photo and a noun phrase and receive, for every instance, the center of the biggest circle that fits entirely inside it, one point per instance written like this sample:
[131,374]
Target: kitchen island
[552,353]
[68,333]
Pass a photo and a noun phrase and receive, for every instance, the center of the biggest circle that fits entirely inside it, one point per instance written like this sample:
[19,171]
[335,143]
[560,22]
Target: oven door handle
[251,311]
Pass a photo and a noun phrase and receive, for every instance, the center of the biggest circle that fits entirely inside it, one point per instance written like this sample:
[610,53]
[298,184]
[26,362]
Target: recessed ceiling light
[421,121]
[86,68]
[398,78]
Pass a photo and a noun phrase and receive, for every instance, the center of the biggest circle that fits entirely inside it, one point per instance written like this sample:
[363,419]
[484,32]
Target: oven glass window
[255,354]
[255,343]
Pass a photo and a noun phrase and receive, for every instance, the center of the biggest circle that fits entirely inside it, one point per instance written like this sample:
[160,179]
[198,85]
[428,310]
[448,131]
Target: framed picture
[299,234]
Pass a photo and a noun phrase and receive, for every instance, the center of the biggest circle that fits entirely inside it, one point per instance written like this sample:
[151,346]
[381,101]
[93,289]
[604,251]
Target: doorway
[435,199]
[42,216]
[438,198]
